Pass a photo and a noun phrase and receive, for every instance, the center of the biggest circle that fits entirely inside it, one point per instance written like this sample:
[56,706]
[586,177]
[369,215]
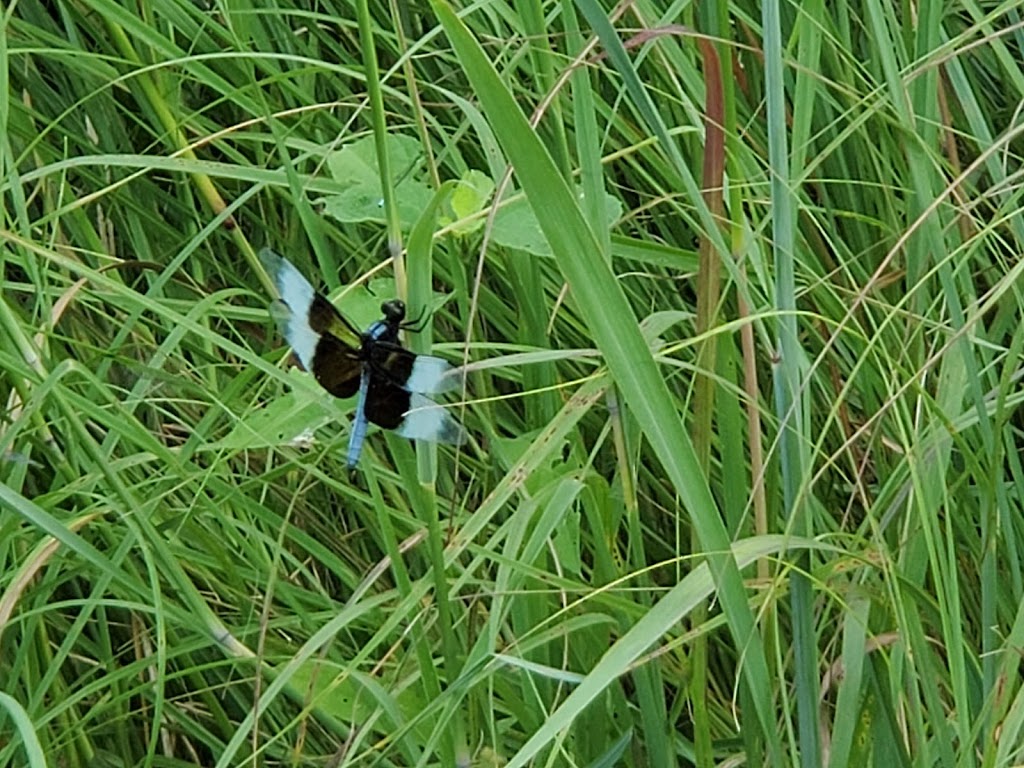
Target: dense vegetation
[753,282]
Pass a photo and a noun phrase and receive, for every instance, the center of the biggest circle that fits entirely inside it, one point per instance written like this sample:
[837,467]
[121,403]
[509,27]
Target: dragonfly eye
[393,311]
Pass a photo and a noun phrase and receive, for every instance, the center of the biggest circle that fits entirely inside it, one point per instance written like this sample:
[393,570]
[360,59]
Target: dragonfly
[393,383]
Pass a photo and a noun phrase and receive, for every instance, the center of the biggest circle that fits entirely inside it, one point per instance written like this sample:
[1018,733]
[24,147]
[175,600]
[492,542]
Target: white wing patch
[297,293]
[302,338]
[426,420]
[432,376]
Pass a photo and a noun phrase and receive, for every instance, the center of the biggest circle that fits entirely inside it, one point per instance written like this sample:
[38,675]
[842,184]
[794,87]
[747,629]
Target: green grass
[745,346]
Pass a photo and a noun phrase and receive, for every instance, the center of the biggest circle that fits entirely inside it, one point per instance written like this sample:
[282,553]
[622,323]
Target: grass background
[804,296]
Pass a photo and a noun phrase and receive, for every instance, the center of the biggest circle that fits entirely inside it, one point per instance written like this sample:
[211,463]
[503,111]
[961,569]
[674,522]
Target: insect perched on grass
[392,382]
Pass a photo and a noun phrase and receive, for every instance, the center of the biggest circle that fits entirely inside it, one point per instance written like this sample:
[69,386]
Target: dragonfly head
[393,311]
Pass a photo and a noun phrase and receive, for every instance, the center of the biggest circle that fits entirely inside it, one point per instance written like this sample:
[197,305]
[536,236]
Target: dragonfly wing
[426,420]
[324,341]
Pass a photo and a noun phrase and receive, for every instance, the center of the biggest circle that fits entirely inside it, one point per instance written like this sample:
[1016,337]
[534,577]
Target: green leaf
[516,225]
[355,169]
[472,193]
[356,163]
